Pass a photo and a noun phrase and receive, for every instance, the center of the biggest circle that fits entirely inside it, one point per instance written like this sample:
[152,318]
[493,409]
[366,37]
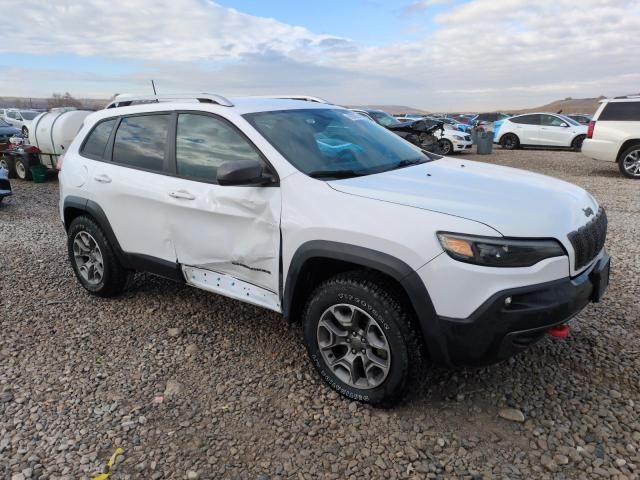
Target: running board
[231,287]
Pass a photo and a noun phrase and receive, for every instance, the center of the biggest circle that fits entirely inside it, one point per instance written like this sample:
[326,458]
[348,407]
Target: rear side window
[96,142]
[140,142]
[526,119]
[203,143]
[621,111]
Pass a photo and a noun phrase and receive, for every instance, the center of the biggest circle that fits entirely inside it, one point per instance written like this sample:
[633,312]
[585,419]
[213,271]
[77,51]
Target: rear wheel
[25,132]
[7,165]
[93,260]
[360,338]
[22,168]
[510,141]
[629,163]
[576,145]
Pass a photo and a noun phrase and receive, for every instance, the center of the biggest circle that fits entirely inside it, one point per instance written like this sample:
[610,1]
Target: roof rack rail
[124,99]
[305,98]
[635,95]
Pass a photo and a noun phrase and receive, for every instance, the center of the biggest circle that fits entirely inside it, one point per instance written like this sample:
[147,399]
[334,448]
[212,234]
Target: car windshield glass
[383,118]
[569,120]
[334,143]
[28,115]
[4,124]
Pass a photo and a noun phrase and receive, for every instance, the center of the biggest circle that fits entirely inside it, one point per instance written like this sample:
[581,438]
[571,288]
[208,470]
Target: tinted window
[140,141]
[96,142]
[487,117]
[526,119]
[11,114]
[621,111]
[203,143]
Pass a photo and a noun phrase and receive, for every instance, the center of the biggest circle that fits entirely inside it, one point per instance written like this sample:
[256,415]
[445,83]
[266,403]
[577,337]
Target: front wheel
[510,141]
[446,147]
[629,163]
[360,338]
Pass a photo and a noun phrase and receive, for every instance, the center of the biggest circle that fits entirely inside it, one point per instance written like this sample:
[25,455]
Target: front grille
[589,239]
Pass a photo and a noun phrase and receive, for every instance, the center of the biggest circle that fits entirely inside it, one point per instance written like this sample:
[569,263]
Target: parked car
[450,140]
[614,135]
[5,185]
[582,119]
[540,130]
[384,253]
[463,127]
[7,131]
[20,118]
[421,132]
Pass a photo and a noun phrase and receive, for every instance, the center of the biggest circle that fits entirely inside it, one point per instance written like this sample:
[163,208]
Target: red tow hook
[559,331]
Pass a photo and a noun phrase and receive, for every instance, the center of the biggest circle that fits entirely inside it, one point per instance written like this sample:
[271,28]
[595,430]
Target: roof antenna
[153,85]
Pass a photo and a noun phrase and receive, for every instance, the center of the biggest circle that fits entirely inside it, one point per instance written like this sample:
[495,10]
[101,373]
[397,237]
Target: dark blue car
[7,131]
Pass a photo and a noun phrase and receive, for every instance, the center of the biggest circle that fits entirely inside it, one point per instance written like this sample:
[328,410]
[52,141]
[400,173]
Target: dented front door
[228,229]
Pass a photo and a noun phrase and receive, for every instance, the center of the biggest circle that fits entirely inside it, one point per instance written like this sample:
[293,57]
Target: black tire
[510,141]
[21,167]
[627,170]
[445,146]
[378,299]
[25,132]
[115,277]
[576,144]
[6,163]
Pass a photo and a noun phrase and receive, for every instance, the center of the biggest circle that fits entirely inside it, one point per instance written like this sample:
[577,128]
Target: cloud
[480,54]
[420,5]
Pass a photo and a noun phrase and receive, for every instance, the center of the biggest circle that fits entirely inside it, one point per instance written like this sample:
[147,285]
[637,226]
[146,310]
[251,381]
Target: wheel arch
[318,260]
[627,144]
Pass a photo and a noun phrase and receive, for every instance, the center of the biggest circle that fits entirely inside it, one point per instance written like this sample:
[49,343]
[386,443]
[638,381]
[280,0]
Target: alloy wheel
[353,345]
[631,163]
[88,258]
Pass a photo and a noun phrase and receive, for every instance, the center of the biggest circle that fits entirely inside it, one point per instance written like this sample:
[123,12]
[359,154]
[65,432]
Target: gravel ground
[192,385]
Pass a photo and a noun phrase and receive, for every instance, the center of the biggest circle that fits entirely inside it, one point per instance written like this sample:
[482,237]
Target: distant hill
[42,103]
[568,105]
[392,109]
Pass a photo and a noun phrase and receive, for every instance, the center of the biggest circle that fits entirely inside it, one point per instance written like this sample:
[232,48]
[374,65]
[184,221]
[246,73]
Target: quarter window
[203,143]
[96,142]
[621,111]
[140,142]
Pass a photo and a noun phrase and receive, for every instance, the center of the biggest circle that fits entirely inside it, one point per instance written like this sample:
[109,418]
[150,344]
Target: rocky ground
[192,385]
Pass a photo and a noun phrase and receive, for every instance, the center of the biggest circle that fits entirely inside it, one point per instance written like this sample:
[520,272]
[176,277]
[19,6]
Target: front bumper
[496,331]
[462,146]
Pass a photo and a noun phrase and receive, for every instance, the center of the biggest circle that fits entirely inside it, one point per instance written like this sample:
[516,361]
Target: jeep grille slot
[589,239]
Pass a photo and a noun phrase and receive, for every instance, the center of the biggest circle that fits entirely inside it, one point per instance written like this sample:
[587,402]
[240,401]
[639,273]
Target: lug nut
[354,333]
[362,350]
[353,350]
[363,340]
[348,340]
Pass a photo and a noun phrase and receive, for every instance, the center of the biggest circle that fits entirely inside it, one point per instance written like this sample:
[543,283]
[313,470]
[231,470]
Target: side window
[11,115]
[96,143]
[527,119]
[551,121]
[140,142]
[203,143]
[621,111]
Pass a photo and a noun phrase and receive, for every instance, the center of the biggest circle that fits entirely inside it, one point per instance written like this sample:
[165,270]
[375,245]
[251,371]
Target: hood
[515,203]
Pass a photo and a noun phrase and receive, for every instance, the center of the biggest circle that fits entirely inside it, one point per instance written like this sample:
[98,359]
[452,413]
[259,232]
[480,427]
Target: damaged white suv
[386,254]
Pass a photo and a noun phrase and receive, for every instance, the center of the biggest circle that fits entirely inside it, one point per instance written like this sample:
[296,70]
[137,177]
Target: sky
[438,55]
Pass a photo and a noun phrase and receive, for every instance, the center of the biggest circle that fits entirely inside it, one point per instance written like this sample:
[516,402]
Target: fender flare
[391,266]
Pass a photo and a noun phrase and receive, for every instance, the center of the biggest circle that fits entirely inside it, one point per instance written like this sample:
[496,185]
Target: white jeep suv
[386,254]
[614,135]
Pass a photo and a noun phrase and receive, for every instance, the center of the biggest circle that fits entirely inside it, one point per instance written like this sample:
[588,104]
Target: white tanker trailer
[50,135]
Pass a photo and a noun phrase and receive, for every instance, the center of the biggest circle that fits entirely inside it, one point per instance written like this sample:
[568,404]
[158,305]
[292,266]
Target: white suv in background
[540,130]
[614,135]
[387,255]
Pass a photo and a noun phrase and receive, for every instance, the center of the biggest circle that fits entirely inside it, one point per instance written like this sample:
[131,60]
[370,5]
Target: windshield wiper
[337,173]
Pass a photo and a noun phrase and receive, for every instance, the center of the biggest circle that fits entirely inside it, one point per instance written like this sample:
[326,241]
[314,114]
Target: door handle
[102,178]
[182,195]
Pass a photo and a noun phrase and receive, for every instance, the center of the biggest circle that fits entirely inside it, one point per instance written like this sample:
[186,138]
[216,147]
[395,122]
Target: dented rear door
[226,229]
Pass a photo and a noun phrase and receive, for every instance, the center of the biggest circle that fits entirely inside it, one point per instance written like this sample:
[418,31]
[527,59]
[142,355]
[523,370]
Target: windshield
[383,118]
[334,142]
[3,123]
[28,115]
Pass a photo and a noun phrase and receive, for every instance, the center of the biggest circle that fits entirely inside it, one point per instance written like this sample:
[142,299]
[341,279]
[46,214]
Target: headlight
[498,252]
[458,137]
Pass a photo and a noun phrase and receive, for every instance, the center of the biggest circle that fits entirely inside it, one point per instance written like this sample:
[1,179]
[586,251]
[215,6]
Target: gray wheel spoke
[353,346]
[88,258]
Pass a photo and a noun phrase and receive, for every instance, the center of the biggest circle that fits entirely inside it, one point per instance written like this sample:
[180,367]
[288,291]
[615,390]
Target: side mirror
[563,124]
[242,172]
